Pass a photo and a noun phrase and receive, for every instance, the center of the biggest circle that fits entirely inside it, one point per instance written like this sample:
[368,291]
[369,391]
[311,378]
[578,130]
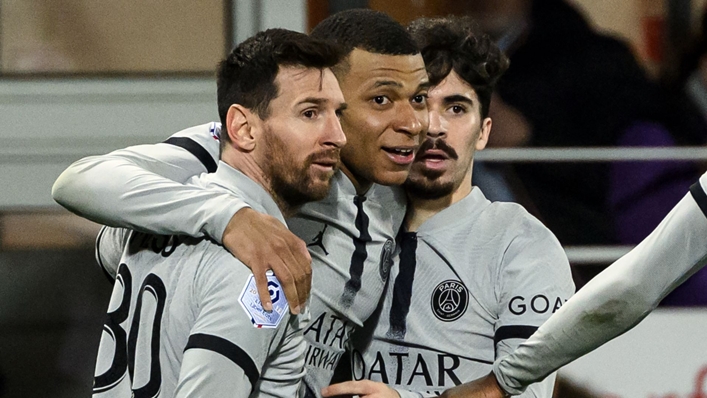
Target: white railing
[592,255]
[614,154]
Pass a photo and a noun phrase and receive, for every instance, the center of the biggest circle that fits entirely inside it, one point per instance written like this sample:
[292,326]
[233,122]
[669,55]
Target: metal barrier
[592,255]
[614,154]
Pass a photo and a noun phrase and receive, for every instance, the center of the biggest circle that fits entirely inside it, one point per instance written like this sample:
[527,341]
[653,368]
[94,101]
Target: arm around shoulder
[142,188]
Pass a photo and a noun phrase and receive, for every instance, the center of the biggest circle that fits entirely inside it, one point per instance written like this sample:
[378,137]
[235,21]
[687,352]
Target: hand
[263,243]
[363,388]
[485,387]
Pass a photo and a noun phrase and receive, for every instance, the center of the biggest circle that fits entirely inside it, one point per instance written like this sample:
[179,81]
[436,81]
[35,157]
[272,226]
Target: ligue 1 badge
[250,301]
[449,300]
[215,130]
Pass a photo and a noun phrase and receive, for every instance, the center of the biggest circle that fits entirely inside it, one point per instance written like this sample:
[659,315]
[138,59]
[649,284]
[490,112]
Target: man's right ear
[241,123]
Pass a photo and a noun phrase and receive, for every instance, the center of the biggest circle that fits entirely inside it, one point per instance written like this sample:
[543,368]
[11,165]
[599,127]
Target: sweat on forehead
[368,30]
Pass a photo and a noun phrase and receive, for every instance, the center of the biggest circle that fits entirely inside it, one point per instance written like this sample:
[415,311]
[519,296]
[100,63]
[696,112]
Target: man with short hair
[351,232]
[473,279]
[184,318]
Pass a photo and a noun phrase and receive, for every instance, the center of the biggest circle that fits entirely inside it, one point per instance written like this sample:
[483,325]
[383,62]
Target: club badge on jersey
[250,301]
[449,300]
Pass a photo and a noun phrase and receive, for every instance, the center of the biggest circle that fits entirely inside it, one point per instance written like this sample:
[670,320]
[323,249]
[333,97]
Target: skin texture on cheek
[358,157]
[370,125]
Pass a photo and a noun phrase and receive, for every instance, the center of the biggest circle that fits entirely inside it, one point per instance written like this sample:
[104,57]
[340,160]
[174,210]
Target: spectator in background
[576,88]
[690,87]
[569,86]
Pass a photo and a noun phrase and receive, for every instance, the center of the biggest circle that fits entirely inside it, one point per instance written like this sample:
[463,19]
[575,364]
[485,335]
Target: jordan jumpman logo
[319,240]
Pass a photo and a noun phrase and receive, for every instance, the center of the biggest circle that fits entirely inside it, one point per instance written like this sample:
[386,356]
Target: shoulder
[532,258]
[218,264]
[523,233]
[211,130]
[202,141]
[514,220]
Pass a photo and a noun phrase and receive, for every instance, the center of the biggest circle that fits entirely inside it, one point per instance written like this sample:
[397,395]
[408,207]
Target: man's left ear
[484,135]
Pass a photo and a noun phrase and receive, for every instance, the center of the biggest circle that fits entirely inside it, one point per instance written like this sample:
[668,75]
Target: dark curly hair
[247,75]
[454,43]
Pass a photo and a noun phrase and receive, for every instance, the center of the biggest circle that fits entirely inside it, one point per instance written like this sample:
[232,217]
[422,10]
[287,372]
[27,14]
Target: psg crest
[449,300]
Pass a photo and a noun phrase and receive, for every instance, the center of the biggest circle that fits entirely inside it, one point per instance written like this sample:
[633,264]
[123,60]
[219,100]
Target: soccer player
[350,233]
[184,318]
[473,279]
[610,304]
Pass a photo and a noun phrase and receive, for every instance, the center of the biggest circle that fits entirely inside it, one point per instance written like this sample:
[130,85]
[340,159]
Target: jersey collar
[463,211]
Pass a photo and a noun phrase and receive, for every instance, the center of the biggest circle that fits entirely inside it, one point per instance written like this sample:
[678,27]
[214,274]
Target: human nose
[334,135]
[438,125]
[409,120]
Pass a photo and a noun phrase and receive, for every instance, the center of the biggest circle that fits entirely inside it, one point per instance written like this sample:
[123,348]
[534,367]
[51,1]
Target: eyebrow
[321,101]
[458,98]
[385,83]
[313,100]
[424,86]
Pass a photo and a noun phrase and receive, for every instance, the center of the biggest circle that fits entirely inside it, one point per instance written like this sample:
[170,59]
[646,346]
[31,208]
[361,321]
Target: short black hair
[247,75]
[454,43]
[368,30]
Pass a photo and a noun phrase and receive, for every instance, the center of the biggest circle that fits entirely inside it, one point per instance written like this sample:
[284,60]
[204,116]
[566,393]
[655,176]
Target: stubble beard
[428,184]
[292,182]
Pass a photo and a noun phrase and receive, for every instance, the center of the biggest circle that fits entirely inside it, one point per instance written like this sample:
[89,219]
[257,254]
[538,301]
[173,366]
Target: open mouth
[433,158]
[400,155]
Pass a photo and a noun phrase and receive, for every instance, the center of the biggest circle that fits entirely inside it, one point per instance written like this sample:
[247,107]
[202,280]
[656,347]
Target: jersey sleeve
[226,354]
[535,281]
[141,187]
[110,244]
[616,299]
[285,370]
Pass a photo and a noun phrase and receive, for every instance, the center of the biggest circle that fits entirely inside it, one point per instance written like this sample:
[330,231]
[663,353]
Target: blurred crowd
[571,86]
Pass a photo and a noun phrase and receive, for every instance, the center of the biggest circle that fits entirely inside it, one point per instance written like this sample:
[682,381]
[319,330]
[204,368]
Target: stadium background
[83,77]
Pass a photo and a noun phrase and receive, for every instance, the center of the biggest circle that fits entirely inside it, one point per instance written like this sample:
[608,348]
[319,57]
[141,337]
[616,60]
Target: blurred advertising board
[665,356]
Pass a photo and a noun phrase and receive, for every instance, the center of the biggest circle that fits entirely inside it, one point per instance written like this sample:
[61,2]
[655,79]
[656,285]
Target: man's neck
[360,184]
[420,210]
[250,168]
